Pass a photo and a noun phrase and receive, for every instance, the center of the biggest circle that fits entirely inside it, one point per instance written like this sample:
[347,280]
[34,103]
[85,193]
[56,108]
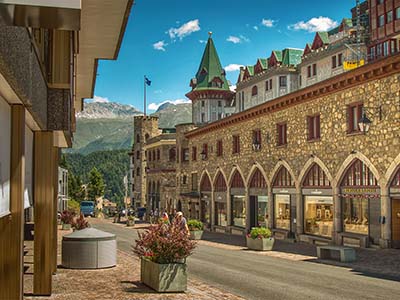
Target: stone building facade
[347,196]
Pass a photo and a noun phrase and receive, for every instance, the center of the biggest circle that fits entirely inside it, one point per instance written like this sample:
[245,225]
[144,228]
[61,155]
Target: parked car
[87,208]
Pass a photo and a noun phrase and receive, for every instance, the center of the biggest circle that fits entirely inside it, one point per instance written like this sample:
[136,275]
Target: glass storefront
[262,211]
[318,215]
[282,211]
[220,214]
[238,211]
[356,215]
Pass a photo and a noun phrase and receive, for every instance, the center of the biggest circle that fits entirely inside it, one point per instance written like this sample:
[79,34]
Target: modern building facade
[48,60]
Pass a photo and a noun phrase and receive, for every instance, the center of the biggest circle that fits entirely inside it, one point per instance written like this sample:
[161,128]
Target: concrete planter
[196,234]
[260,244]
[66,226]
[164,277]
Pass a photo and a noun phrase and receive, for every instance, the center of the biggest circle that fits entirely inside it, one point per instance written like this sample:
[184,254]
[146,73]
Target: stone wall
[334,151]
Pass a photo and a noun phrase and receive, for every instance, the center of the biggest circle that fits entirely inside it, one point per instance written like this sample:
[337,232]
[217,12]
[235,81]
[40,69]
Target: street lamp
[203,155]
[364,123]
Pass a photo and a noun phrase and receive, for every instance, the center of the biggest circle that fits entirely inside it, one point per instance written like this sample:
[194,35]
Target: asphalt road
[254,276]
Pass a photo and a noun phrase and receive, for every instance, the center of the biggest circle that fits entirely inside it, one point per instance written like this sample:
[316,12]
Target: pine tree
[96,185]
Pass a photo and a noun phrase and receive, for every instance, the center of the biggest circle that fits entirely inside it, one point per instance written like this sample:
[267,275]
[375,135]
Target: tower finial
[209,34]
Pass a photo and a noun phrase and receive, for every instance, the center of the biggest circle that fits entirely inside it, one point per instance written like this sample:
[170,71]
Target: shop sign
[316,192]
[358,191]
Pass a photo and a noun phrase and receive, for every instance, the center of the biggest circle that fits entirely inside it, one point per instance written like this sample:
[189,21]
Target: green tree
[75,187]
[96,185]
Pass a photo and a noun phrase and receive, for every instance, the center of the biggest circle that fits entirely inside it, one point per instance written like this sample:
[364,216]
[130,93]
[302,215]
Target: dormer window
[203,71]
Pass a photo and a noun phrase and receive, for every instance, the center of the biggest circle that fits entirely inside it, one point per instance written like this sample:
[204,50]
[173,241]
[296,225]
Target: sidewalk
[382,263]
[119,283]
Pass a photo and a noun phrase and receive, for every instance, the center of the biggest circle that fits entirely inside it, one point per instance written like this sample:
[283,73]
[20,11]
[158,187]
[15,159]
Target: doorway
[396,223]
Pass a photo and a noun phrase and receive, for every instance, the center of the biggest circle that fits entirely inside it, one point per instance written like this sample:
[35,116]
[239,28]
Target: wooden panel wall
[61,59]
[11,226]
[44,213]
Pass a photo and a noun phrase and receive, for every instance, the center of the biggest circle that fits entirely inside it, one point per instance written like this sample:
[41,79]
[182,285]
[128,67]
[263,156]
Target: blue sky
[165,41]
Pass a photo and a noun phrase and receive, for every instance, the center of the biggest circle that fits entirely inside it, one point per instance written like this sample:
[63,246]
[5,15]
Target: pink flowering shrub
[164,243]
[80,223]
[67,217]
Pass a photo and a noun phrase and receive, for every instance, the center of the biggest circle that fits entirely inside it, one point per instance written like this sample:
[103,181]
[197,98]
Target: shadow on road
[137,287]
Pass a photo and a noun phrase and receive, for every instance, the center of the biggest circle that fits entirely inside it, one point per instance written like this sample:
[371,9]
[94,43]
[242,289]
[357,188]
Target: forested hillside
[113,165]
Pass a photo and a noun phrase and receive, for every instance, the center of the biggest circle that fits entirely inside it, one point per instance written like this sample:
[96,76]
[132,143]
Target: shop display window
[282,211]
[238,211]
[220,214]
[355,214]
[262,211]
[318,215]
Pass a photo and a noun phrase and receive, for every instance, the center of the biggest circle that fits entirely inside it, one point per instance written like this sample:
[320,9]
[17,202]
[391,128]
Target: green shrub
[74,206]
[195,225]
[259,233]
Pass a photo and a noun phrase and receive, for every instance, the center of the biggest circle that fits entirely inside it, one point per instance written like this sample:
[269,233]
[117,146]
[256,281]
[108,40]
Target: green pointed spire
[210,74]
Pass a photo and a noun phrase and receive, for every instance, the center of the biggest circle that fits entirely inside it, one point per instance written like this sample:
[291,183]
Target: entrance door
[396,223]
[253,211]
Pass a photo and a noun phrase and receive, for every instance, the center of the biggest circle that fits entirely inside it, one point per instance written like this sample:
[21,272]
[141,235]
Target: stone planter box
[260,244]
[66,226]
[196,234]
[164,277]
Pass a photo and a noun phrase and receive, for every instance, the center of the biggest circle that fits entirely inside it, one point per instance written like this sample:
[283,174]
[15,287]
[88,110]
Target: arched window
[396,179]
[316,177]
[237,181]
[257,180]
[358,174]
[254,91]
[283,178]
[220,184]
[205,185]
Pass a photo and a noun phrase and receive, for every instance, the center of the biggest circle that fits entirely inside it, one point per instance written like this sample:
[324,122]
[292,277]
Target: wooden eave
[373,71]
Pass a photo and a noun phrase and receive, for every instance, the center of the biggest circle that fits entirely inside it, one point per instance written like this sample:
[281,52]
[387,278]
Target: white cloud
[315,24]
[255,27]
[99,99]
[232,88]
[234,39]
[237,39]
[184,30]
[267,22]
[202,41]
[232,67]
[160,45]
[155,106]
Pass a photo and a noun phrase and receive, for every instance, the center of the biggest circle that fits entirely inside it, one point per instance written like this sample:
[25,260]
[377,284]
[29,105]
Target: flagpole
[144,82]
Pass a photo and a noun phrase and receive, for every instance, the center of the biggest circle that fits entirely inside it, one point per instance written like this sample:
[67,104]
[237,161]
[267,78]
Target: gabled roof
[292,57]
[278,55]
[324,36]
[209,70]
[263,62]
[321,38]
[250,70]
[307,49]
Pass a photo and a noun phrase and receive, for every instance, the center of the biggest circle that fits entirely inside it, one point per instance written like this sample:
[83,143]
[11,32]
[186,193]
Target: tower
[210,92]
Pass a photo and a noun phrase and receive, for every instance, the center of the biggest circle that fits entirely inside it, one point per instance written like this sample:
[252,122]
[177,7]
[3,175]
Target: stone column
[247,199]
[299,212]
[338,216]
[386,230]
[270,208]
[212,213]
[228,207]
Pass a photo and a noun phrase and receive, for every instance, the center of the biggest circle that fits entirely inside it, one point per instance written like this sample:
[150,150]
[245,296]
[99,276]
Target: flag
[148,82]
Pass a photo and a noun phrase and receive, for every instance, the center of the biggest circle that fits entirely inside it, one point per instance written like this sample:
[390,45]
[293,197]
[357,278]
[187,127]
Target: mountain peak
[107,110]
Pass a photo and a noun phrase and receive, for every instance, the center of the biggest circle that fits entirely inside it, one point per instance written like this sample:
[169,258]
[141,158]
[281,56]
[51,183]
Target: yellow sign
[359,190]
[352,64]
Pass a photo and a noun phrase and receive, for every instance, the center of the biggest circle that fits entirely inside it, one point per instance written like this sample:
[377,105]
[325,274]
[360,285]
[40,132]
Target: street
[255,276]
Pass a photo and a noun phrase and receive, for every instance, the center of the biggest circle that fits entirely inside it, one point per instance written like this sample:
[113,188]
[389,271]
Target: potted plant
[130,221]
[80,223]
[163,249]
[260,238]
[67,218]
[196,229]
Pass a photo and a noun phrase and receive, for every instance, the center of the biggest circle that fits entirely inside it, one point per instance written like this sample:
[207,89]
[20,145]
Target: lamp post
[364,123]
[203,155]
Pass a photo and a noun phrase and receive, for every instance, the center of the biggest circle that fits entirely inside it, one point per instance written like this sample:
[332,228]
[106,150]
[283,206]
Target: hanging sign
[353,64]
